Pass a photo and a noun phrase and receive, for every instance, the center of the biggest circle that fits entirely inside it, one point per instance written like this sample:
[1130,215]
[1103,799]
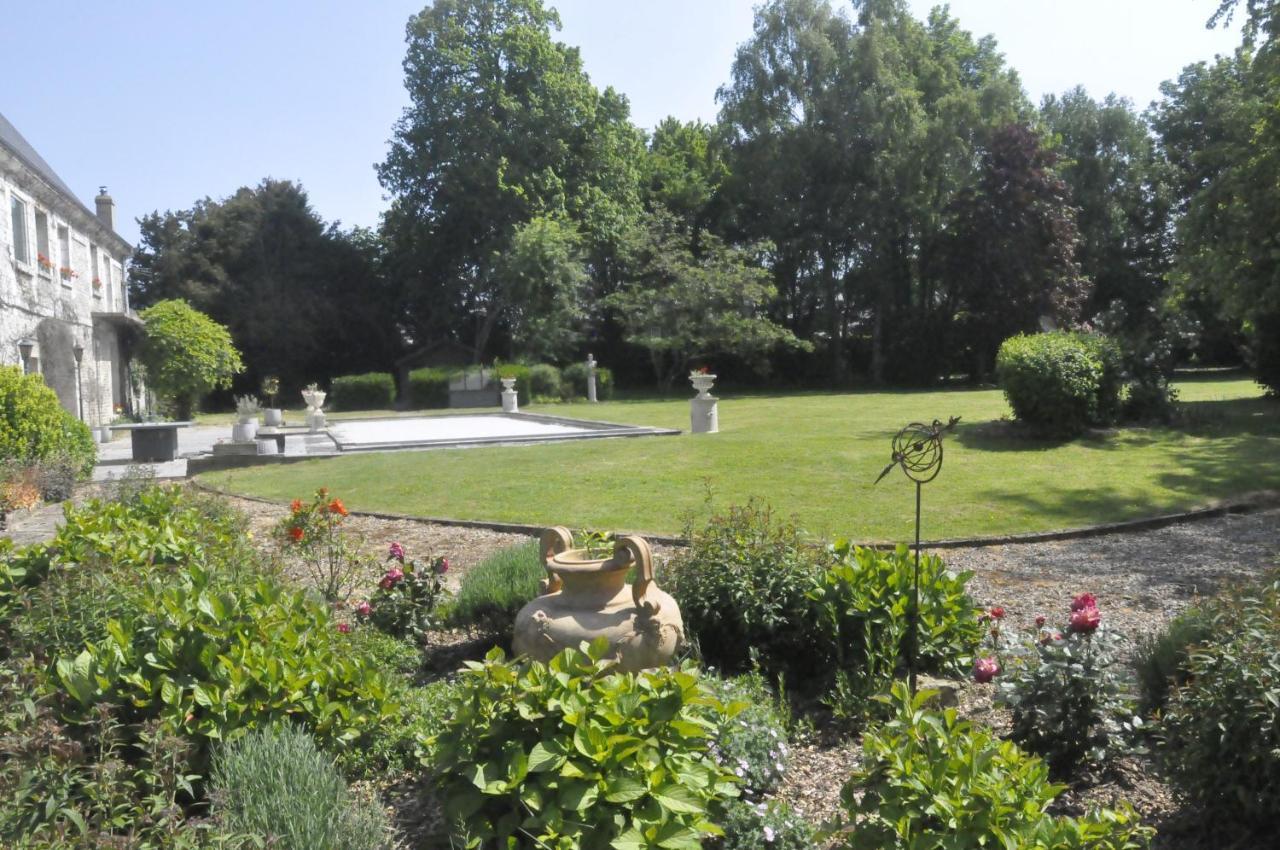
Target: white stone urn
[104,433]
[510,398]
[272,417]
[245,432]
[584,598]
[702,382]
[314,399]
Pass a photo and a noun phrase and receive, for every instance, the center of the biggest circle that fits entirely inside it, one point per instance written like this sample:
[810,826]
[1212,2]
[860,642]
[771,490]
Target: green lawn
[816,455]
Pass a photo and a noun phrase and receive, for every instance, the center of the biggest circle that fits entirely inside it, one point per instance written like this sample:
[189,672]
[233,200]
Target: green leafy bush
[1161,660]
[545,381]
[211,659]
[742,584]
[186,354]
[1060,383]
[753,743]
[493,592]
[275,784]
[1222,726]
[575,381]
[34,427]
[1067,692]
[573,755]
[764,826]
[428,388]
[370,391]
[931,781]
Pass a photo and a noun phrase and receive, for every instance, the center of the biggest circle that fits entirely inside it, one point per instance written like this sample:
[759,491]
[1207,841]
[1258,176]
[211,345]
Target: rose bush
[405,602]
[312,533]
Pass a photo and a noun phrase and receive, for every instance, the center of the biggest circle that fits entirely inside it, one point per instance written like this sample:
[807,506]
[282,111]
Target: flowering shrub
[1222,724]
[407,595]
[933,781]
[753,742]
[764,826]
[312,532]
[573,755]
[1066,692]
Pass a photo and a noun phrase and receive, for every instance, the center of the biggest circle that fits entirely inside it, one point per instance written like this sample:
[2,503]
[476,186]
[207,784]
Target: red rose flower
[985,669]
[997,613]
[295,505]
[296,534]
[364,609]
[1085,620]
[344,627]
[336,507]
[1040,621]
[1084,600]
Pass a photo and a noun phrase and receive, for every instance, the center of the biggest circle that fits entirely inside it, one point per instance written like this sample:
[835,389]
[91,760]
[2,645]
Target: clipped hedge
[1060,383]
[370,391]
[575,381]
[428,388]
[34,427]
[545,381]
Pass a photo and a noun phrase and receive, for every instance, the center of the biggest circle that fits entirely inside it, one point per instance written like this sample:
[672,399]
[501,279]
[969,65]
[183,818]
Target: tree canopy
[186,355]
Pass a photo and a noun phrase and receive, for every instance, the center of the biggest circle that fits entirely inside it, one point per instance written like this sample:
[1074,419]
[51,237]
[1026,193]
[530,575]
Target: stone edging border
[1260,500]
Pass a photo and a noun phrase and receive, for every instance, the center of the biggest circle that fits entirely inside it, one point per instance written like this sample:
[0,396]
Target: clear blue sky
[167,102]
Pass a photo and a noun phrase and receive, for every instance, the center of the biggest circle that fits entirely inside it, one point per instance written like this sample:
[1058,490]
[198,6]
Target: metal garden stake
[917,448]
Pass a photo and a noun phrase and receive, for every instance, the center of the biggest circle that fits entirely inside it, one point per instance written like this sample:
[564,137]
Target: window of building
[95,281]
[64,254]
[43,260]
[18,215]
[106,281]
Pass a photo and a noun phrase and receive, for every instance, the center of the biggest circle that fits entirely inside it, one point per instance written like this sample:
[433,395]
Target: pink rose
[985,669]
[344,627]
[396,551]
[1085,619]
[364,609]
[442,566]
[1040,621]
[393,575]
[1084,600]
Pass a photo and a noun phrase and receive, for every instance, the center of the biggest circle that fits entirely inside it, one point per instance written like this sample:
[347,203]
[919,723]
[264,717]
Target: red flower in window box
[97,283]
[44,262]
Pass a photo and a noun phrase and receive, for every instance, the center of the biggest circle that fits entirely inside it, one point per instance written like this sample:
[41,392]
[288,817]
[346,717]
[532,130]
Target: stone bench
[153,442]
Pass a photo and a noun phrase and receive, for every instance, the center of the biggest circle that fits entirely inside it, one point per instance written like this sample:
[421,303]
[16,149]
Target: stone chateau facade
[64,307]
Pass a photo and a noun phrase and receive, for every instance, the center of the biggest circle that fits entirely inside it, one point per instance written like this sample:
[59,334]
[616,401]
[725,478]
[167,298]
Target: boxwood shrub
[428,388]
[34,427]
[1060,383]
[370,391]
[545,381]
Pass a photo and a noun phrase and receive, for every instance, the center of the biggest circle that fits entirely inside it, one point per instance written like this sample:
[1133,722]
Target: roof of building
[21,148]
[15,142]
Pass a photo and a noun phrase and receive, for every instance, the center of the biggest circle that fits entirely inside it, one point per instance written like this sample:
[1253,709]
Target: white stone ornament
[510,399]
[704,417]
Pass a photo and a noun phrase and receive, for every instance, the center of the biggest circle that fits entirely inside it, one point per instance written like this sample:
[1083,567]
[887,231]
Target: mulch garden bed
[1141,579]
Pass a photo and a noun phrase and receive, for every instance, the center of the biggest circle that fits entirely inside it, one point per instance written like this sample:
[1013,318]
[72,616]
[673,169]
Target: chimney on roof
[106,208]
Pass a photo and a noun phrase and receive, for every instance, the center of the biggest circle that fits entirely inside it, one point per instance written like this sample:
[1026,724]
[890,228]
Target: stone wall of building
[38,302]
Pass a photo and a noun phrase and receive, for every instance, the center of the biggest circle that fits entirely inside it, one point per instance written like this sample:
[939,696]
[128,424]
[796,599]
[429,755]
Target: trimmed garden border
[1251,502]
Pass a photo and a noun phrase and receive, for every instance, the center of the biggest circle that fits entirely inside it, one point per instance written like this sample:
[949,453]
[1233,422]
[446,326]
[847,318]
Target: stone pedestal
[591,379]
[704,418]
[244,432]
[510,398]
[315,421]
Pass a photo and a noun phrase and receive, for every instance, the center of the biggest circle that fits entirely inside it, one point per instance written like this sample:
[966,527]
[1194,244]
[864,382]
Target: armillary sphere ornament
[917,449]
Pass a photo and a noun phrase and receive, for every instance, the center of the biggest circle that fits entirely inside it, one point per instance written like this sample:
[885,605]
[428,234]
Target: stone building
[64,308]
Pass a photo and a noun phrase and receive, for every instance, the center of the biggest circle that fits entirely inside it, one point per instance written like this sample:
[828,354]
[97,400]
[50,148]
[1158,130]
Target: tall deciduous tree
[303,300]
[680,306]
[504,127]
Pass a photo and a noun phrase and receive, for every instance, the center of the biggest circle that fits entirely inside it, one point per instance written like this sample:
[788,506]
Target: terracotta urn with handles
[584,598]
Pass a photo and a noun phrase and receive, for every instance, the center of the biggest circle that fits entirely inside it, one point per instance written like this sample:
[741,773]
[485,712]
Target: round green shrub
[1060,383]
[35,428]
[1222,727]
[186,354]
[545,381]
[370,391]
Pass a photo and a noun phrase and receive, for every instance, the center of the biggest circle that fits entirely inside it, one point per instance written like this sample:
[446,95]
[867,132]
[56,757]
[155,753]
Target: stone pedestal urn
[510,398]
[704,412]
[584,598]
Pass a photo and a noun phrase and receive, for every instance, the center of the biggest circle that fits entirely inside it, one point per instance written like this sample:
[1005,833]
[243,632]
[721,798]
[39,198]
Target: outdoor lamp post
[25,347]
[78,351]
